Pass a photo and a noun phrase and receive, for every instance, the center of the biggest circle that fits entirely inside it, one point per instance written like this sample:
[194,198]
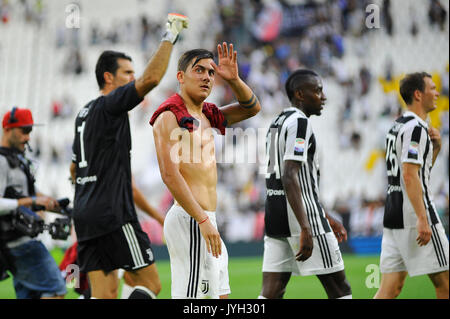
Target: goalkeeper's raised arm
[157,66]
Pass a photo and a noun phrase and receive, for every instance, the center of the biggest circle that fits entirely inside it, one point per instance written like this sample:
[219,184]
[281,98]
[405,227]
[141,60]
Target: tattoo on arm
[250,103]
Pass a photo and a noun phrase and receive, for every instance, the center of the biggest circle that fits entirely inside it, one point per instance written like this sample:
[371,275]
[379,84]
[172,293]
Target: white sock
[346,297]
[261,297]
[126,291]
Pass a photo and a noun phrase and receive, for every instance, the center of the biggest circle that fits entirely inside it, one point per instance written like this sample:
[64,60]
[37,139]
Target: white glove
[175,23]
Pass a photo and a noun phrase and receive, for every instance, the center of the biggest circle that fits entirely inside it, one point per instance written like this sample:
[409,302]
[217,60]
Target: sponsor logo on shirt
[299,145]
[413,150]
[394,188]
[275,192]
[83,113]
[86,179]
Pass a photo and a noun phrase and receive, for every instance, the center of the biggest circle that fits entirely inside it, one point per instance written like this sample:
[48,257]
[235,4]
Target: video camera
[31,224]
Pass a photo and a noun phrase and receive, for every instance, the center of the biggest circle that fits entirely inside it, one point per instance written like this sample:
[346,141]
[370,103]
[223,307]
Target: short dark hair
[296,80]
[410,83]
[107,62]
[187,57]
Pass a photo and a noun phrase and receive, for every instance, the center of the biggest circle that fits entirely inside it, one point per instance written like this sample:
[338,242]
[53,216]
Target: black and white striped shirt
[407,142]
[290,137]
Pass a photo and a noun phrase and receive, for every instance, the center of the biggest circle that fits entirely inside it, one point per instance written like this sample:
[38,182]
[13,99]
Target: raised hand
[175,23]
[228,67]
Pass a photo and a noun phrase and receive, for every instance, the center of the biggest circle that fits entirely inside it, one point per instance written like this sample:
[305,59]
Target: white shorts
[279,256]
[196,274]
[400,251]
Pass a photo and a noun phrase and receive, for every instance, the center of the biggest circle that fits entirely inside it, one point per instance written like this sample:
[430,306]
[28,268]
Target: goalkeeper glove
[175,23]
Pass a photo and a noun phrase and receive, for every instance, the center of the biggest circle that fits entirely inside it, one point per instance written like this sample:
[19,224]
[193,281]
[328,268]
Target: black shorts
[128,248]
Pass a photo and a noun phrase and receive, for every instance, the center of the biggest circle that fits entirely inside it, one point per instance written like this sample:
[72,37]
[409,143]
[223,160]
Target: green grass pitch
[246,278]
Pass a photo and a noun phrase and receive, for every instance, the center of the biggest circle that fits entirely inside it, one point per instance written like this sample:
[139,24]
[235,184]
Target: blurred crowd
[276,38]
[312,35]
[32,11]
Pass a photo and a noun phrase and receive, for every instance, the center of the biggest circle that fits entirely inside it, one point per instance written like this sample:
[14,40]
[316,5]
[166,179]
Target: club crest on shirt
[205,286]
[150,254]
[338,255]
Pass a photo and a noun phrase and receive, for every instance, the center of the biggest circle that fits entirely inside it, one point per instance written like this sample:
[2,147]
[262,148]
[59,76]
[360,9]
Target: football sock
[141,292]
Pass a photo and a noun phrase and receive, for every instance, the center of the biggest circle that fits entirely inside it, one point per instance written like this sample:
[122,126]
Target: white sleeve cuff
[294,158]
[7,205]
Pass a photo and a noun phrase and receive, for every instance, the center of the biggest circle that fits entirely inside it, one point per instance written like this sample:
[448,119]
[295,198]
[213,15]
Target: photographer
[34,270]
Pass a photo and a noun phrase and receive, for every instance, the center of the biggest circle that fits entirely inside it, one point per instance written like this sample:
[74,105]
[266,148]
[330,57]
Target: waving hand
[228,67]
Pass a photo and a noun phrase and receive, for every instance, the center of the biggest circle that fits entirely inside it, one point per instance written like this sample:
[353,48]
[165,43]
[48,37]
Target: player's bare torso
[198,163]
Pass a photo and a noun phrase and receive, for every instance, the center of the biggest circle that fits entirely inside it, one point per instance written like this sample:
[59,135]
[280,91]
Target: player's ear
[180,77]
[417,95]
[109,77]
[298,95]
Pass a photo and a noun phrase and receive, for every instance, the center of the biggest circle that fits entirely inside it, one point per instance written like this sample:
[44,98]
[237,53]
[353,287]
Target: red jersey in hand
[176,105]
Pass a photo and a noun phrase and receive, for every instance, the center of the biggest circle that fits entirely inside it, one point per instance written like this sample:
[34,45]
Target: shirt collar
[409,113]
[292,108]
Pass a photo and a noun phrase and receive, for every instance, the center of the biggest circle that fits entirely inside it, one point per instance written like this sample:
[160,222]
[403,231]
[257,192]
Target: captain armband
[250,103]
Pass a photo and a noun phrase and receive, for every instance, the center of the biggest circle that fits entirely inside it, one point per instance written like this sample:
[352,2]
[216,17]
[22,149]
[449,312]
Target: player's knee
[339,293]
[393,290]
[281,293]
[273,292]
[389,290]
[397,289]
[113,293]
[441,285]
[441,282]
[106,294]
[344,289]
[154,285]
[336,285]
[270,294]
[442,290]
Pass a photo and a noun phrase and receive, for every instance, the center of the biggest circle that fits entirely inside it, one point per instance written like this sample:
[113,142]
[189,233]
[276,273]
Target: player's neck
[300,107]
[4,142]
[107,89]
[105,92]
[418,110]
[192,105]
